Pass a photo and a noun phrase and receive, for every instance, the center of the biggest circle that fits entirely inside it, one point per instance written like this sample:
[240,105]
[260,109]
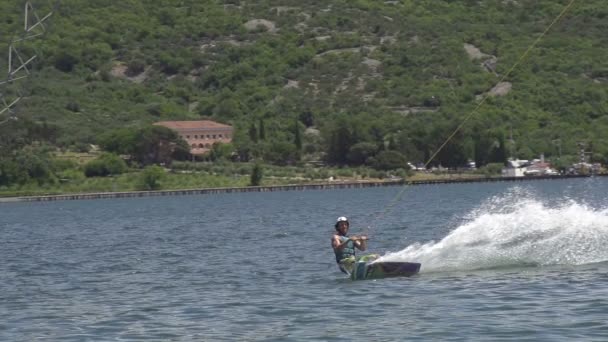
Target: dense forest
[346,82]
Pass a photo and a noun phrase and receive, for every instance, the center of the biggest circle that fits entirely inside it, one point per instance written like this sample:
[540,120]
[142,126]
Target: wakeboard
[380,270]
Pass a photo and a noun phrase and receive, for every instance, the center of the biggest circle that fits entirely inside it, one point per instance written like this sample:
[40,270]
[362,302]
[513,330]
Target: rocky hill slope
[398,74]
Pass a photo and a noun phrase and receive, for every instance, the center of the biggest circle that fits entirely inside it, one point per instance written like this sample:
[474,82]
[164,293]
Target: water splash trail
[506,232]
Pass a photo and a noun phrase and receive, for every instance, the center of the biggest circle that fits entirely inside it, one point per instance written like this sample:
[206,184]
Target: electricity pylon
[21,57]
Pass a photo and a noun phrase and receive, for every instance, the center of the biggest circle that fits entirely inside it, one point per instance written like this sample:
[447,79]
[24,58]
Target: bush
[136,66]
[70,175]
[73,106]
[150,178]
[81,147]
[105,165]
[389,160]
[377,174]
[63,164]
[65,61]
[491,169]
[345,173]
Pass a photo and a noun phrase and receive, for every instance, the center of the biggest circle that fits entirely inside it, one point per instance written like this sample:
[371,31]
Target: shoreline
[312,186]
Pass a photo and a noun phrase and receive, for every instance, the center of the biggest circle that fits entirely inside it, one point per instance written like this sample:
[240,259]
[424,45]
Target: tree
[256,175]
[339,143]
[35,164]
[359,153]
[181,150]
[481,149]
[499,151]
[262,134]
[243,152]
[21,165]
[489,148]
[389,160]
[154,145]
[453,154]
[9,172]
[150,178]
[297,135]
[307,118]
[221,151]
[253,133]
[148,145]
[119,141]
[280,153]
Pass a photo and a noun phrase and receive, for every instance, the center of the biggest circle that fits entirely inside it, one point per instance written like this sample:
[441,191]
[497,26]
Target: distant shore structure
[200,135]
[273,188]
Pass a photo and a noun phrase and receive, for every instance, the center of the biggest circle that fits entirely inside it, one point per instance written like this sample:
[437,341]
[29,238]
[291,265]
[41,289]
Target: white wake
[507,232]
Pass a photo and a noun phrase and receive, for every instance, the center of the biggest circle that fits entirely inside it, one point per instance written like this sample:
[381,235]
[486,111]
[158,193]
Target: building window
[214,136]
[193,145]
[187,137]
[196,137]
[200,145]
[207,145]
[208,136]
[220,136]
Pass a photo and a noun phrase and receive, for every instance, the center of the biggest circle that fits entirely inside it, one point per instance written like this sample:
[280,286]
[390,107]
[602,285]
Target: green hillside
[348,81]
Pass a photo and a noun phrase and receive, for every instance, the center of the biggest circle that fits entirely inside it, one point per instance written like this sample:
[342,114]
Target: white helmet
[341,219]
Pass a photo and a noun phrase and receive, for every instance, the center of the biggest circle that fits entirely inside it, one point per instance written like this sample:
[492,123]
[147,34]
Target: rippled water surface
[500,261]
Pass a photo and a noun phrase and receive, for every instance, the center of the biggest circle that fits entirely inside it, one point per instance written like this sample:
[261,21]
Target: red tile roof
[192,124]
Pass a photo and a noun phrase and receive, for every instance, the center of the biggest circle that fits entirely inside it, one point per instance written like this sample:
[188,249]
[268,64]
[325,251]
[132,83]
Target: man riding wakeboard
[344,246]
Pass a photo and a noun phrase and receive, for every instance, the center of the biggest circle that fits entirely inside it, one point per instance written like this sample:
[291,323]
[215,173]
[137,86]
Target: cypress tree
[340,141]
[253,133]
[256,175]
[262,134]
[298,136]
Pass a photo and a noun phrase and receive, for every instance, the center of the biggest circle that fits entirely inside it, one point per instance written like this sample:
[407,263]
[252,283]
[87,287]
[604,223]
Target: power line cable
[399,195]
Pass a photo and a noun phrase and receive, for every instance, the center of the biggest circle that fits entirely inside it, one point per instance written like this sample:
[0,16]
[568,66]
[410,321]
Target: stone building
[200,135]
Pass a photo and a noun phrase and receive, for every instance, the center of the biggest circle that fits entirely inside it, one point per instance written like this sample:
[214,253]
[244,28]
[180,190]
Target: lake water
[500,261]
